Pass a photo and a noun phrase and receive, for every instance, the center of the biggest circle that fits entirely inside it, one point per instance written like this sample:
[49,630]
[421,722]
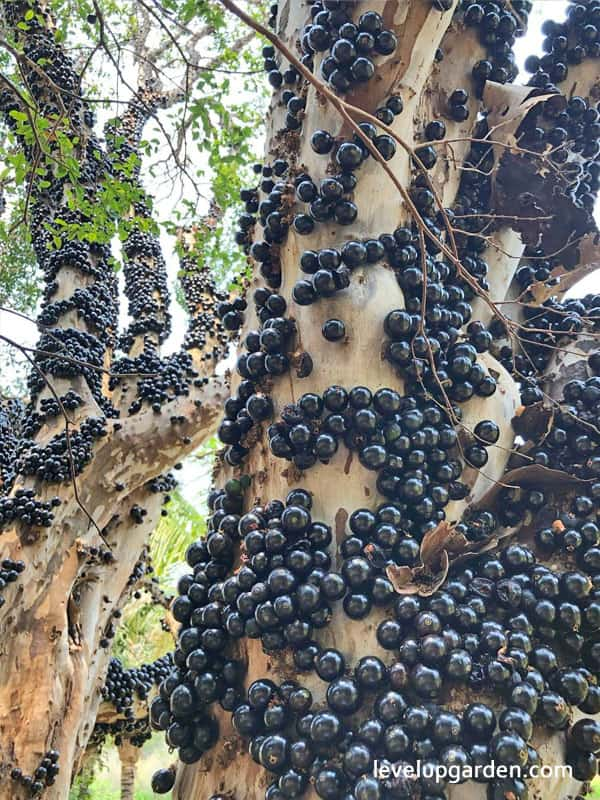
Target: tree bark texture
[129,756]
[78,568]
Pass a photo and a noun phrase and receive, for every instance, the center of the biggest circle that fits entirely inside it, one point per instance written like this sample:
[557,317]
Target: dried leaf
[508,104]
[534,423]
[533,475]
[588,259]
[433,542]
[442,539]
[416,581]
[429,587]
[429,575]
[400,578]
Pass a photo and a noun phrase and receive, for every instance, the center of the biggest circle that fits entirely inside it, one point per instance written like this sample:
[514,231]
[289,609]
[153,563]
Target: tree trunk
[54,650]
[59,619]
[129,756]
[344,484]
[86,774]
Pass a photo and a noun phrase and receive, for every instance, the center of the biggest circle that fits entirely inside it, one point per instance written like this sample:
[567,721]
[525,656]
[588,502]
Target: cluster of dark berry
[569,127]
[272,210]
[54,83]
[575,532]
[350,47]
[43,776]
[89,303]
[303,744]
[135,731]
[157,379]
[275,76]
[230,313]
[566,43]
[494,624]
[65,455]
[123,685]
[284,546]
[534,267]
[325,202]
[409,444]
[67,353]
[421,337]
[47,409]
[73,251]
[202,298]
[547,327]
[164,484]
[202,673]
[507,622]
[448,367]
[141,567]
[23,507]
[328,201]
[138,513]
[267,355]
[498,25]
[330,269]
[146,286]
[9,572]
[101,555]
[295,105]
[573,444]
[298,742]
[517,504]
[145,273]
[12,418]
[349,155]
[263,251]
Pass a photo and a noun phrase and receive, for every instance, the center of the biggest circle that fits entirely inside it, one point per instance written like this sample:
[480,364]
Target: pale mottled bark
[51,665]
[129,756]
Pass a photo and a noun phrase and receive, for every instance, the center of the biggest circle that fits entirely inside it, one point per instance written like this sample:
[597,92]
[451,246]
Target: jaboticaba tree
[85,462]
[402,561]
[403,553]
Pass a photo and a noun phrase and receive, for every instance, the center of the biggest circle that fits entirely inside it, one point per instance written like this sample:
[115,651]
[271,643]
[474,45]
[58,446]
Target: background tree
[78,194]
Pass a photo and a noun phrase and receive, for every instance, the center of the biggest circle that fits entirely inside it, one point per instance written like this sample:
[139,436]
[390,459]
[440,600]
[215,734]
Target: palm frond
[168,543]
[141,637]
